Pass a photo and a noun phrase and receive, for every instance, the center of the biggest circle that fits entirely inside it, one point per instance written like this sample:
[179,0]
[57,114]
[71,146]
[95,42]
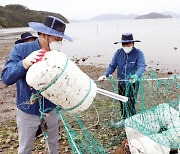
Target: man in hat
[130,64]
[26,37]
[21,57]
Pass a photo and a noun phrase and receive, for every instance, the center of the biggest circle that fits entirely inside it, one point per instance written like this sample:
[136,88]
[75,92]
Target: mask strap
[48,41]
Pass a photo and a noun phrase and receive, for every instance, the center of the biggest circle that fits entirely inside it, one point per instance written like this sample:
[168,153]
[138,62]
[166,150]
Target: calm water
[160,41]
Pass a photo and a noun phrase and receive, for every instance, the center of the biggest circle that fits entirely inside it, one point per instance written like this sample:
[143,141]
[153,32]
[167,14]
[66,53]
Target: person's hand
[102,78]
[133,78]
[34,57]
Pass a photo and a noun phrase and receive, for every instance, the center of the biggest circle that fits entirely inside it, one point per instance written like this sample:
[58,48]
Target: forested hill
[19,16]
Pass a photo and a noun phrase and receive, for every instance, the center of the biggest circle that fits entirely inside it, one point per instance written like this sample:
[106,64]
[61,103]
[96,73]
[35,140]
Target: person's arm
[140,64]
[112,66]
[19,63]
[13,70]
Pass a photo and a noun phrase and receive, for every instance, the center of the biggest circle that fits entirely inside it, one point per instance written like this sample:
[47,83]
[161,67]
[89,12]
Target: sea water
[94,41]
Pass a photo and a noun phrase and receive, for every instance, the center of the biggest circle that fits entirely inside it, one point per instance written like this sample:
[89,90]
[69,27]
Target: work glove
[133,78]
[102,78]
[34,57]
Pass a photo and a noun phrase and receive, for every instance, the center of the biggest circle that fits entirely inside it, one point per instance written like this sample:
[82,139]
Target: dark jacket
[127,64]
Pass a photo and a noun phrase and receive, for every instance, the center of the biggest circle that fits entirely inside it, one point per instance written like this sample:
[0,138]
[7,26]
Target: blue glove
[133,78]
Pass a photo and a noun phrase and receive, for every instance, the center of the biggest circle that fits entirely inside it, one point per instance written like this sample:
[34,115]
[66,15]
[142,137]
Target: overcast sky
[85,9]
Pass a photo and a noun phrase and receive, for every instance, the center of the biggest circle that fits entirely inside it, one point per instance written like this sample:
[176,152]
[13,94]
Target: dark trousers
[131,90]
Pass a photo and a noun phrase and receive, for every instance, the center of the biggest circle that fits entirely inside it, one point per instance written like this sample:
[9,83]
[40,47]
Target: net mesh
[100,129]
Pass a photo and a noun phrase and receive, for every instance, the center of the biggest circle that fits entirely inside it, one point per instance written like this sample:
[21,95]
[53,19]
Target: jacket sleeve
[112,66]
[140,64]
[13,70]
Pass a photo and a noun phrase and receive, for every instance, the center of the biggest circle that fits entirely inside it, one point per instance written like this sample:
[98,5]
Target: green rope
[97,147]
[80,142]
[72,143]
[42,116]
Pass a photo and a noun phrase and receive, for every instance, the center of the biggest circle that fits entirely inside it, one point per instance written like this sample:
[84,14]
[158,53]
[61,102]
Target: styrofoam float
[63,83]
[138,143]
[163,116]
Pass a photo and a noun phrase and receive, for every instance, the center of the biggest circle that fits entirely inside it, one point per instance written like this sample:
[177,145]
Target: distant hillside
[113,17]
[19,16]
[153,16]
[174,15]
[105,17]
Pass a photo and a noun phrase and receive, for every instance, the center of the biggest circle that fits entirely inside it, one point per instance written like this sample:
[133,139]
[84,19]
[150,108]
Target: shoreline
[161,60]
[7,45]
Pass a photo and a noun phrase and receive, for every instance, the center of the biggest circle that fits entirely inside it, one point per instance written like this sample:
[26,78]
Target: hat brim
[23,39]
[39,27]
[127,41]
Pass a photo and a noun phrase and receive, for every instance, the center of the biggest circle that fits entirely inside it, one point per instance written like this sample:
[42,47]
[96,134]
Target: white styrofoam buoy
[138,143]
[62,82]
[163,116]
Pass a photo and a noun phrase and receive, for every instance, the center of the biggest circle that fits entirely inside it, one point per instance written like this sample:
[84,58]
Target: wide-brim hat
[127,38]
[24,37]
[51,26]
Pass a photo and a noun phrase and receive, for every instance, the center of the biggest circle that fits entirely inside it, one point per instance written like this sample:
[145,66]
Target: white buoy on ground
[138,143]
[163,116]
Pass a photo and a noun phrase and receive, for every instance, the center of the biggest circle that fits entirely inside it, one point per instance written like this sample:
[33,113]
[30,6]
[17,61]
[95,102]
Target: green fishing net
[100,129]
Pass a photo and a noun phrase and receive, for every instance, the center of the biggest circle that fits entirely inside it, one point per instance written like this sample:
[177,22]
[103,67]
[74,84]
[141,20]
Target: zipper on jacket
[126,65]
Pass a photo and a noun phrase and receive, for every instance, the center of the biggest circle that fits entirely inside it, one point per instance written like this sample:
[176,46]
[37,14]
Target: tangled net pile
[158,108]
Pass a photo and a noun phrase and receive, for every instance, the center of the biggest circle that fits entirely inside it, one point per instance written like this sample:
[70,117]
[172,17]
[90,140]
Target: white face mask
[127,49]
[55,45]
